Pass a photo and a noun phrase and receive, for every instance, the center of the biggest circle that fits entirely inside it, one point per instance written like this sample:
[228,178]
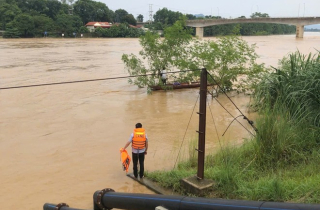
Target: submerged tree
[230,60]
[159,53]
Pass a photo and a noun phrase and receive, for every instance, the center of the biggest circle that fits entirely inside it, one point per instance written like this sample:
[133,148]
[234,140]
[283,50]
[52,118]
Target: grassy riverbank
[282,163]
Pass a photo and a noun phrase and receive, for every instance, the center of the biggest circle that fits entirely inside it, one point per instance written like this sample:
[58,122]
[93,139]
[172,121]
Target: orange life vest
[139,138]
[125,159]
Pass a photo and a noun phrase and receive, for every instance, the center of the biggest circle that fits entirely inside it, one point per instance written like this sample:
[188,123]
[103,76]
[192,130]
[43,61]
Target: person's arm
[127,144]
[146,148]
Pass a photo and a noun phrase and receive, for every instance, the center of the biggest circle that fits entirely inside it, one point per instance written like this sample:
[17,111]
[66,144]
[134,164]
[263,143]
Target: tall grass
[295,86]
[283,162]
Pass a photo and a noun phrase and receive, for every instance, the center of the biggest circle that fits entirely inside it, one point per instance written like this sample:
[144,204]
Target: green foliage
[68,24]
[43,23]
[53,8]
[113,31]
[7,13]
[83,30]
[249,29]
[53,16]
[282,162]
[191,17]
[11,32]
[169,179]
[25,25]
[284,169]
[118,30]
[120,15]
[165,17]
[89,10]
[99,32]
[259,15]
[140,18]
[130,19]
[296,85]
[226,59]
[158,53]
[230,60]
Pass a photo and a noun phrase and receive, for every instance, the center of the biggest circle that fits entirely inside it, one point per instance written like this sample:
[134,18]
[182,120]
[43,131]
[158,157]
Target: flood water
[61,143]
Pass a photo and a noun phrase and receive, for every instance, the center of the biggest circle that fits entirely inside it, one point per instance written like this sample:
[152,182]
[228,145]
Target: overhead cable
[88,80]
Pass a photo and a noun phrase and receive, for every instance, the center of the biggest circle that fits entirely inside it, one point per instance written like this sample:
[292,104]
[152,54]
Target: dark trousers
[138,157]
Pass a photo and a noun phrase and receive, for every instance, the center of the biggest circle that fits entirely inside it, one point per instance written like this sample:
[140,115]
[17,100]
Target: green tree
[230,60]
[258,14]
[43,23]
[140,18]
[90,10]
[54,7]
[68,24]
[63,10]
[83,30]
[191,17]
[113,31]
[7,13]
[130,20]
[167,17]
[158,53]
[25,25]
[99,32]
[33,7]
[38,6]
[135,32]
[103,13]
[120,15]
[123,30]
[11,31]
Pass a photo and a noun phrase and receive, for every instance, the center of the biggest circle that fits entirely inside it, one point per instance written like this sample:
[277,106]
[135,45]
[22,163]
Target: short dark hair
[138,125]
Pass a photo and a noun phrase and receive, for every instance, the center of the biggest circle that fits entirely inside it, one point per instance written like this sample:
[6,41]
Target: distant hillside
[313,27]
[199,15]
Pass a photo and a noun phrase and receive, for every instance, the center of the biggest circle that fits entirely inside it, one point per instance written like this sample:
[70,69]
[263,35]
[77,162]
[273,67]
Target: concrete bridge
[299,22]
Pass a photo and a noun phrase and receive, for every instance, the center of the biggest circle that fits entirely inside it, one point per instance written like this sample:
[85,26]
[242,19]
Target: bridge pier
[199,32]
[299,31]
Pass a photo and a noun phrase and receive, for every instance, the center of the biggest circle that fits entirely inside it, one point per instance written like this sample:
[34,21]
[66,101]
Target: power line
[215,126]
[244,117]
[234,118]
[186,131]
[88,80]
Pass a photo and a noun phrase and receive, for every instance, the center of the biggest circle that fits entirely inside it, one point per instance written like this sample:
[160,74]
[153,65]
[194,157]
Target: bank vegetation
[52,18]
[282,162]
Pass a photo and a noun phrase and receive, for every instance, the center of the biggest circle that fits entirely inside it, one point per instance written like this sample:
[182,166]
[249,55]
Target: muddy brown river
[61,143]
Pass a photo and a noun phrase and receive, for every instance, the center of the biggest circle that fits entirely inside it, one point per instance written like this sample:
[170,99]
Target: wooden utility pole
[202,123]
[198,184]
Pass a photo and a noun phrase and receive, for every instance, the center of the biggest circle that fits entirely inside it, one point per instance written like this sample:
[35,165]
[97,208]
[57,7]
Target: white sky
[224,8]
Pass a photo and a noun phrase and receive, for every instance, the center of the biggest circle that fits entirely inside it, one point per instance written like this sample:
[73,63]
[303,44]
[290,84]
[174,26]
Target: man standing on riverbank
[139,143]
